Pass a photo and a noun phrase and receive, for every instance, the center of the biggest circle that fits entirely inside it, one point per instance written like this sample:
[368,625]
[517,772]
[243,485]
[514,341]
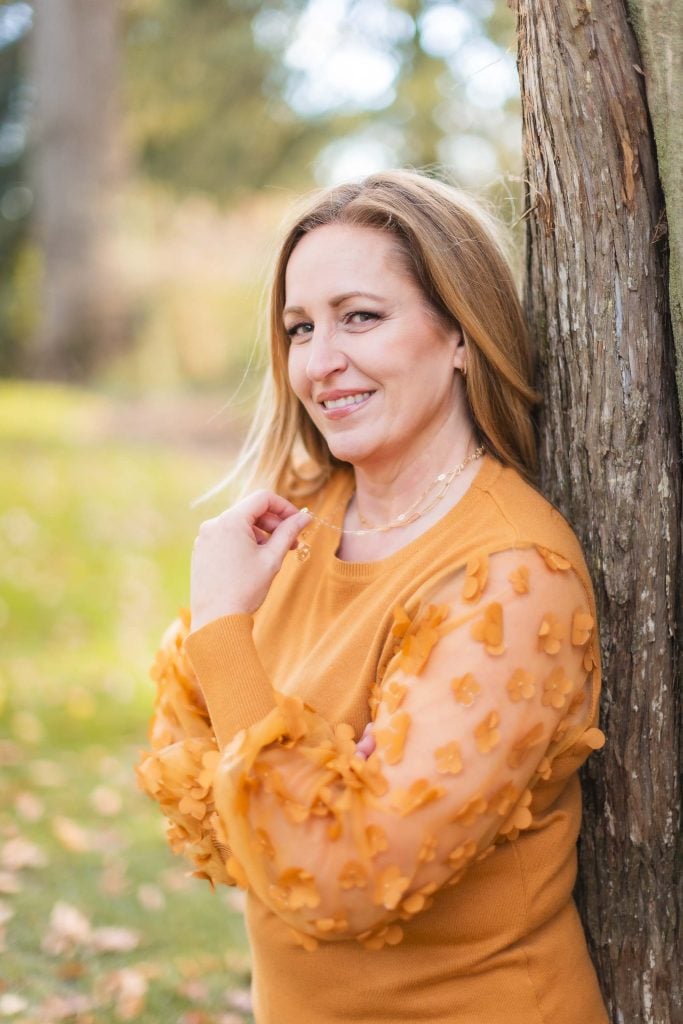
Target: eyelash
[291,331]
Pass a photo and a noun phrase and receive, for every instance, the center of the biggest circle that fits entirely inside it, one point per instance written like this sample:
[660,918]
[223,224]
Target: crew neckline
[488,471]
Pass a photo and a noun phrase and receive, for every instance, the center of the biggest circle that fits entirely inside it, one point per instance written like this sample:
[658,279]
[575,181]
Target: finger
[262,502]
[268,522]
[286,533]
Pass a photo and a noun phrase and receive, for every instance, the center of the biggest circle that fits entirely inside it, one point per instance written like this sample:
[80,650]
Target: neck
[383,493]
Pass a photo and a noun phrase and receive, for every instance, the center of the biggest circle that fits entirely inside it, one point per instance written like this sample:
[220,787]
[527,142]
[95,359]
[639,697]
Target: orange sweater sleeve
[489,683]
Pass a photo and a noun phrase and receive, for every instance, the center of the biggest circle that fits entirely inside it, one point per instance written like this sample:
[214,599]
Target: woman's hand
[237,554]
[366,744]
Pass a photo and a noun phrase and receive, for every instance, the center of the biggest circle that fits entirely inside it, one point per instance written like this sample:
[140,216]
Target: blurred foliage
[95,538]
[18,258]
[229,96]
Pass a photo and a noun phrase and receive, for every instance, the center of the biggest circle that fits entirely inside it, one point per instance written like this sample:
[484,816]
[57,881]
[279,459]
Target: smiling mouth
[341,403]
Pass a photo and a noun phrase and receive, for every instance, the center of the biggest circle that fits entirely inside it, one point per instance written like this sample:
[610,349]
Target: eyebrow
[337,301]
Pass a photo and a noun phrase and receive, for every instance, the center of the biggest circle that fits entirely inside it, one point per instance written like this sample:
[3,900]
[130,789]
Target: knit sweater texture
[433,880]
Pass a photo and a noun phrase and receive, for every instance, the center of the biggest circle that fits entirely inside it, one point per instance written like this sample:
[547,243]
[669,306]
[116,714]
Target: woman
[374,717]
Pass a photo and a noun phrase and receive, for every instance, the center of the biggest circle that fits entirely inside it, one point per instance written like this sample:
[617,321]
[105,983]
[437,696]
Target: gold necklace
[405,518]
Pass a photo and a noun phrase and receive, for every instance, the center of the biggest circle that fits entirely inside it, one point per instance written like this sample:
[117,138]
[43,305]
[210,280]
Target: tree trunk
[74,68]
[610,441]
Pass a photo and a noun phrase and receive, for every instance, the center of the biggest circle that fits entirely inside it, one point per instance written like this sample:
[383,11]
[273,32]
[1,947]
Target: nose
[325,356]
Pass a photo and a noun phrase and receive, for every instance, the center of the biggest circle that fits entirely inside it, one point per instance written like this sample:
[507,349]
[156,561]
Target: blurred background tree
[169,137]
[16,197]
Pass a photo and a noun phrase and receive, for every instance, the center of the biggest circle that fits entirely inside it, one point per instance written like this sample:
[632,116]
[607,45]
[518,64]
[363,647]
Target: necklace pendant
[303,551]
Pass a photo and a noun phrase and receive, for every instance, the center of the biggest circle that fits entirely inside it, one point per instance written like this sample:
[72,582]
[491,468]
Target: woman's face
[371,365]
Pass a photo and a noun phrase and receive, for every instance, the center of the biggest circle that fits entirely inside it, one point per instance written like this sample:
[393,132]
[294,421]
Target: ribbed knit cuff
[233,680]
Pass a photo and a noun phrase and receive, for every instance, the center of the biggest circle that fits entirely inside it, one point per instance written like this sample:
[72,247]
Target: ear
[458,341]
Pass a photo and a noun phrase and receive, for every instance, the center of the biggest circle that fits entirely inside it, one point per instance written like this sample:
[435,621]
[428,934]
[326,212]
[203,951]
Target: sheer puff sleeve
[489,682]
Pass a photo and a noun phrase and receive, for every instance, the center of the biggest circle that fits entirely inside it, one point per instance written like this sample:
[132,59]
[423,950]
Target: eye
[361,316]
[299,330]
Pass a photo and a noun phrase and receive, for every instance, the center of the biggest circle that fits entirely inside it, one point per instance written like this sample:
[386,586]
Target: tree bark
[610,447]
[75,72]
[658,25]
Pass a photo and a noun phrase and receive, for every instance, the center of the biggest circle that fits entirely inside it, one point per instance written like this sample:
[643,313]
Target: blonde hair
[455,251]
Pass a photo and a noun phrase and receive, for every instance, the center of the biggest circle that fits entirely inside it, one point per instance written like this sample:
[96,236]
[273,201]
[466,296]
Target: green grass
[95,541]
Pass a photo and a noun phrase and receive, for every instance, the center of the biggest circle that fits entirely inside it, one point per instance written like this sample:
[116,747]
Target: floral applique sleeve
[178,771]
[490,682]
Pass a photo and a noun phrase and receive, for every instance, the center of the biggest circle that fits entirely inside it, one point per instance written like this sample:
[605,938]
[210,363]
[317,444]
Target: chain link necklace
[411,514]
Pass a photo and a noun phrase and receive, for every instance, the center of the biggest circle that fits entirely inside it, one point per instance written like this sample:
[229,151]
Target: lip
[343,411]
[332,396]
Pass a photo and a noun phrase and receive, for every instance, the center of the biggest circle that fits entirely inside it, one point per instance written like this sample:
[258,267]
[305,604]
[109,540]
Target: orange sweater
[432,881]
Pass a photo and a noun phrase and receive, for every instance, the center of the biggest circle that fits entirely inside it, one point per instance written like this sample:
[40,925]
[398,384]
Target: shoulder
[519,515]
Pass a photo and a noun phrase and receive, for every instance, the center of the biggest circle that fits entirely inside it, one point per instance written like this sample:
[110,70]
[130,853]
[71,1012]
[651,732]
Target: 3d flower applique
[520,818]
[471,810]
[520,685]
[377,938]
[462,854]
[590,658]
[552,559]
[401,622]
[486,733]
[263,844]
[544,769]
[392,695]
[421,792]
[391,741]
[329,925]
[465,689]
[582,624]
[556,686]
[353,875]
[389,887]
[551,633]
[519,578]
[489,629]
[593,738]
[428,849]
[375,840]
[308,942]
[476,574]
[294,889]
[413,904]
[522,747]
[448,759]
[504,799]
[417,643]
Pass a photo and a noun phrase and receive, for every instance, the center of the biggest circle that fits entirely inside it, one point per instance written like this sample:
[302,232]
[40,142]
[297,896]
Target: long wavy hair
[457,253]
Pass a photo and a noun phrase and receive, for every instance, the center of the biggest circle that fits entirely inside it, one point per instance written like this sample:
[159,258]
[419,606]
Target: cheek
[296,372]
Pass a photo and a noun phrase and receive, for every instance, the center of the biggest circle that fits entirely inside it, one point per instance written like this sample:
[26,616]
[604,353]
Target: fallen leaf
[113,939]
[67,929]
[66,1007]
[29,806]
[151,897]
[128,988]
[11,1004]
[19,853]
[71,835]
[106,801]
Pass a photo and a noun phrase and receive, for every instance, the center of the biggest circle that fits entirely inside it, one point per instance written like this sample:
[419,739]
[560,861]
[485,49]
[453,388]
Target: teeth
[338,403]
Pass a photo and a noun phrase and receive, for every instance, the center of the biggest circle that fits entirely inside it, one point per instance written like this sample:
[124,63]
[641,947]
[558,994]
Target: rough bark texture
[658,25]
[74,67]
[610,439]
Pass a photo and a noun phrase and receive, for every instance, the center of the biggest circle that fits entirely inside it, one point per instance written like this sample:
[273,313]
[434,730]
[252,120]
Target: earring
[464,371]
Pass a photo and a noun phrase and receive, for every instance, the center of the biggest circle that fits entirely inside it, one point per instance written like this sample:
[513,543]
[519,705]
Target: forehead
[341,257]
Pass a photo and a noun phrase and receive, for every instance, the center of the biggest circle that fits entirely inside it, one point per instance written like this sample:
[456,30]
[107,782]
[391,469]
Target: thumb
[286,533]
